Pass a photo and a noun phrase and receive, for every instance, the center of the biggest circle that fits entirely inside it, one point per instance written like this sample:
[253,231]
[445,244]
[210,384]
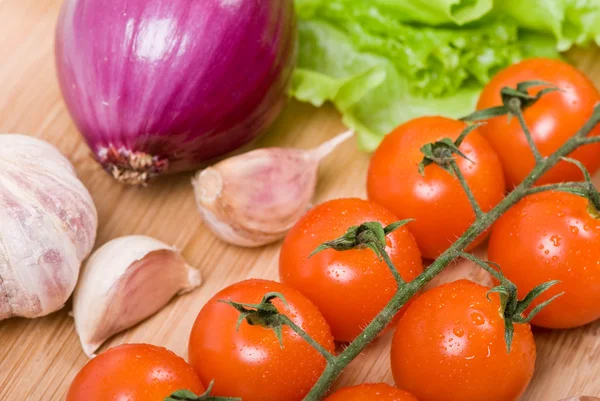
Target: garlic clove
[582,398]
[253,199]
[124,282]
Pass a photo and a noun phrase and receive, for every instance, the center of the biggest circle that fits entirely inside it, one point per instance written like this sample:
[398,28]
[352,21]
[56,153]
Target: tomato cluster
[449,342]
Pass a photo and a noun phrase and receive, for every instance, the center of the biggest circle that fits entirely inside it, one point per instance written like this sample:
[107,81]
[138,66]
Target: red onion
[161,86]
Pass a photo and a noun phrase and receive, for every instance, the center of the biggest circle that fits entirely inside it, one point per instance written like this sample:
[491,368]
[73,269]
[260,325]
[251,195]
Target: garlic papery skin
[253,199]
[124,282]
[48,225]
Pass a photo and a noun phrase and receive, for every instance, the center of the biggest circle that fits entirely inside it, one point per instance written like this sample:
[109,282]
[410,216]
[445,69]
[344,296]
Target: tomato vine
[442,153]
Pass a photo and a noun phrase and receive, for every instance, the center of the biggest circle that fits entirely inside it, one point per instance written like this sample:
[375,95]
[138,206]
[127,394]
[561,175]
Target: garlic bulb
[48,226]
[254,198]
[125,281]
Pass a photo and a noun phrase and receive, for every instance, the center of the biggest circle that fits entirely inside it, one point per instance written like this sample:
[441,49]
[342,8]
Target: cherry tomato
[552,120]
[552,236]
[449,346]
[350,287]
[249,362]
[371,392]
[134,372]
[436,201]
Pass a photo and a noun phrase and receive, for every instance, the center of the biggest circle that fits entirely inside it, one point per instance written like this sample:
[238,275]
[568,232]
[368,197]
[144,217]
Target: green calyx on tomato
[368,235]
[514,100]
[511,308]
[263,314]
[442,152]
[186,395]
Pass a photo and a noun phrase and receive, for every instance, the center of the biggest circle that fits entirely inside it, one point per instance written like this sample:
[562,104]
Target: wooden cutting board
[39,358]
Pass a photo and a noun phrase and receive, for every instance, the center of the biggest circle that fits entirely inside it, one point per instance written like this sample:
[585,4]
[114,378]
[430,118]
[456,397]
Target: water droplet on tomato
[477,319]
[458,332]
[556,240]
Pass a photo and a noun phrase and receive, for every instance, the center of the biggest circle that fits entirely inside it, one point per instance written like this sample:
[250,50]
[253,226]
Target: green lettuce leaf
[369,91]
[436,61]
[379,71]
[429,12]
[572,22]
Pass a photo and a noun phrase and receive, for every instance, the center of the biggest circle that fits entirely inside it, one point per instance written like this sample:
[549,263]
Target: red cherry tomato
[552,120]
[248,361]
[134,372]
[552,236]
[349,287]
[449,346]
[436,201]
[371,392]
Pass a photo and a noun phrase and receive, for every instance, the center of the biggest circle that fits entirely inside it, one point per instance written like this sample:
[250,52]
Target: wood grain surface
[39,358]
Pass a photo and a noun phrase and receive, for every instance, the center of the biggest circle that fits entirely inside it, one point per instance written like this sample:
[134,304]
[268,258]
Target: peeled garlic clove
[582,398]
[253,199]
[48,226]
[124,282]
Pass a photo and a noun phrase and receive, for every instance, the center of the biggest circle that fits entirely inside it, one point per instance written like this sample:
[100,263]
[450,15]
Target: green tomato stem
[485,266]
[315,344]
[463,182]
[483,223]
[514,105]
[390,264]
[594,139]
[554,187]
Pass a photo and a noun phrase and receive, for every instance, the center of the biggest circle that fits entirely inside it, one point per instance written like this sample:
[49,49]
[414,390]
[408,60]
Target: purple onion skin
[160,86]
